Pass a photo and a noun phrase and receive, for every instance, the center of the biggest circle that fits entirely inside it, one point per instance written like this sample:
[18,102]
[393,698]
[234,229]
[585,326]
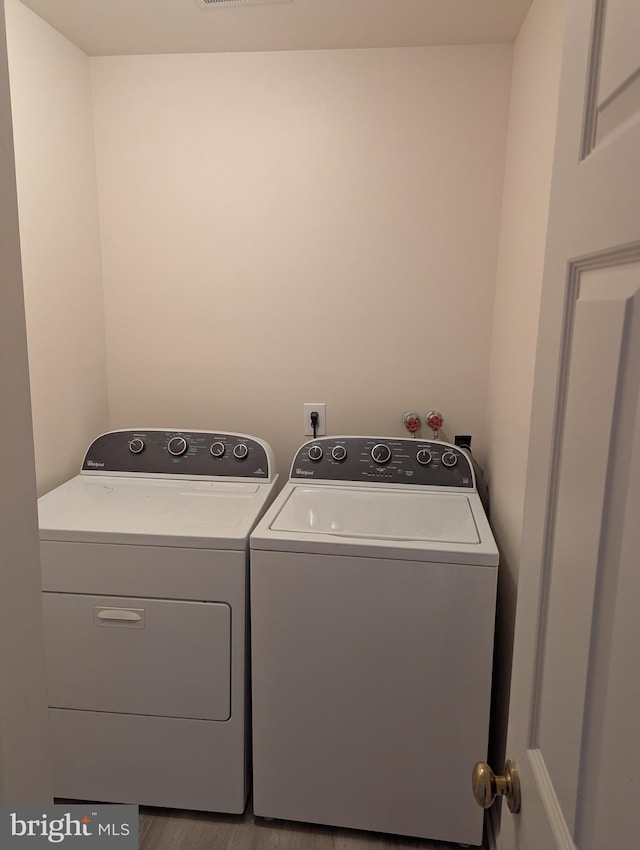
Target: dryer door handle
[118,614]
[128,617]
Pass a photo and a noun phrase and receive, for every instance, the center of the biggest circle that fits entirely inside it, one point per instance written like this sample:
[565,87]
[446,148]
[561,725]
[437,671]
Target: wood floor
[172,829]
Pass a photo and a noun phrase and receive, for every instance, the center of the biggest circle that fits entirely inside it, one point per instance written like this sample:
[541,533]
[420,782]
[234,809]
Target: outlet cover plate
[321,409]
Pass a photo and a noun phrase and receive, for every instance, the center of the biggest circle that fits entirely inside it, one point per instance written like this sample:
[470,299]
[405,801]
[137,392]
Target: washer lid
[378,522]
[153,512]
[379,514]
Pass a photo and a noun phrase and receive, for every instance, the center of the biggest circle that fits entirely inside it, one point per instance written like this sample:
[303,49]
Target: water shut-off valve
[434,421]
[411,423]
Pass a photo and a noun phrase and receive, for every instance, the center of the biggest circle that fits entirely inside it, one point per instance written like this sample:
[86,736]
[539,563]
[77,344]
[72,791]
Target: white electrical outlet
[320,409]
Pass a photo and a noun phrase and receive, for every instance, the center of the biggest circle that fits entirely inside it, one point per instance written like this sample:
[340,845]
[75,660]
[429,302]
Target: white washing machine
[373,586]
[145,578]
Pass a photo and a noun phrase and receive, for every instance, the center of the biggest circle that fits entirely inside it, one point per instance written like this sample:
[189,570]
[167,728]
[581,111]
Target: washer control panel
[395,460]
[192,453]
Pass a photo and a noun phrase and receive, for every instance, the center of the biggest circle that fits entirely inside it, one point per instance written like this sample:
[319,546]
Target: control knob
[449,458]
[136,445]
[423,457]
[177,446]
[240,451]
[315,453]
[381,453]
[339,453]
[217,449]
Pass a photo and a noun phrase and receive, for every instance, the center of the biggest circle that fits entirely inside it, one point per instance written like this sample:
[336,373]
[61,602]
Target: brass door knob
[487,786]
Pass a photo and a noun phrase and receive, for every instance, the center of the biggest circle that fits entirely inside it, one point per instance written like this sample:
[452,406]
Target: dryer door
[138,656]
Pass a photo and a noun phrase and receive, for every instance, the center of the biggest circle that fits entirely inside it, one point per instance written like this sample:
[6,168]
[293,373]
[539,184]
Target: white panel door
[573,729]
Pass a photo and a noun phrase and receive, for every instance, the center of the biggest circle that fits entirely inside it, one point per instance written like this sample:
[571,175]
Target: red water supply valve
[411,423]
[435,421]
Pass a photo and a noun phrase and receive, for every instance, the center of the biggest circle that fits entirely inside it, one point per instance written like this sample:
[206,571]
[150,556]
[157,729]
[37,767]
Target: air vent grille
[206,4]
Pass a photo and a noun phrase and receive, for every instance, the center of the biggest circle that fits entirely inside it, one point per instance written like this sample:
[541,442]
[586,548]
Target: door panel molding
[550,801]
[622,255]
[606,111]
[590,303]
[602,705]
[590,119]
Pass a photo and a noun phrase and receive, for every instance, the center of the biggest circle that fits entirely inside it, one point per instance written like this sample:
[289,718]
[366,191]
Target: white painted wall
[529,157]
[58,213]
[288,227]
[25,769]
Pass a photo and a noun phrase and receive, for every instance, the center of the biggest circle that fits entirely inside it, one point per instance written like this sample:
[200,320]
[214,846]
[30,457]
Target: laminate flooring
[173,829]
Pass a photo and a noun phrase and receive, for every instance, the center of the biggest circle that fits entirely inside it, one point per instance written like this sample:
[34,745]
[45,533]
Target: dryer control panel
[386,460]
[191,453]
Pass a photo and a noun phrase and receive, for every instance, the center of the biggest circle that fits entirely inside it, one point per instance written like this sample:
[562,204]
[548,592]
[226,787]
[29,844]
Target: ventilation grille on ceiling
[208,3]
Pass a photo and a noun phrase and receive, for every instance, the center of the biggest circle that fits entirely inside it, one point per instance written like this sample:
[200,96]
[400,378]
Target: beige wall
[25,771]
[58,213]
[532,125]
[280,228]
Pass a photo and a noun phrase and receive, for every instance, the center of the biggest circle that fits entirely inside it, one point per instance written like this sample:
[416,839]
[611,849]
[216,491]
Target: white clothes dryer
[373,586]
[145,569]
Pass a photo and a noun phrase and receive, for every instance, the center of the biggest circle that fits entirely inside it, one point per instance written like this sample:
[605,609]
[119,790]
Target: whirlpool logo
[103,826]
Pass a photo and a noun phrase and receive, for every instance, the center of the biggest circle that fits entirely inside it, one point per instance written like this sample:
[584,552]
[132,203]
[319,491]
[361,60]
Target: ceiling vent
[206,4]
